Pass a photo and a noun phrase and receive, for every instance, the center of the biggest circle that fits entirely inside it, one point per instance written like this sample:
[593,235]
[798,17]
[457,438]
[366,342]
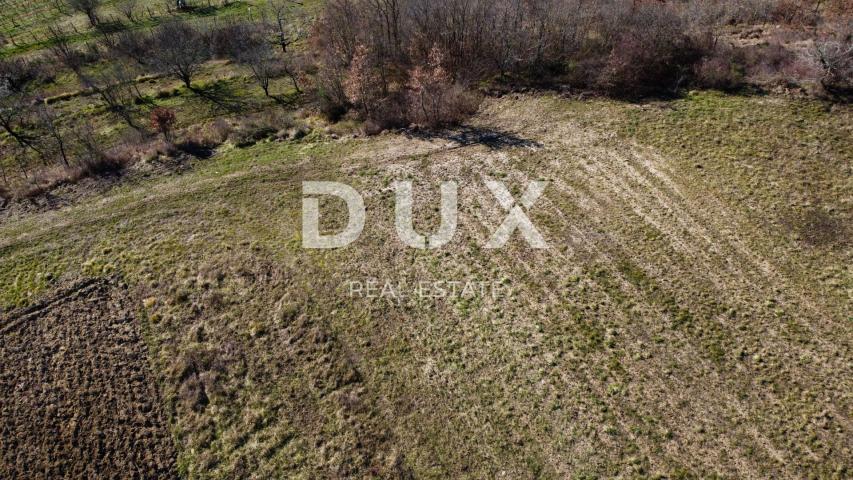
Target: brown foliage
[163,120]
[722,69]
[362,84]
[433,99]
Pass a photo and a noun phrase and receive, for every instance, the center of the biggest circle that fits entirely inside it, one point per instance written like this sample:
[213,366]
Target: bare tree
[88,8]
[14,109]
[47,118]
[128,9]
[249,47]
[836,61]
[117,89]
[62,49]
[388,14]
[263,64]
[134,45]
[180,50]
[287,26]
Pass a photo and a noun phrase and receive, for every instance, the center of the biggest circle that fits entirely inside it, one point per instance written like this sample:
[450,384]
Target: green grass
[640,349]
[28,33]
[25,24]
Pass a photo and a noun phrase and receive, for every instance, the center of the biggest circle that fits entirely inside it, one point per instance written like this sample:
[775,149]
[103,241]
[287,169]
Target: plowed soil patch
[78,398]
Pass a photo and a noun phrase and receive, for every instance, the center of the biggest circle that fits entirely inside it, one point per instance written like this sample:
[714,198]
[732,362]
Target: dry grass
[96,164]
[668,331]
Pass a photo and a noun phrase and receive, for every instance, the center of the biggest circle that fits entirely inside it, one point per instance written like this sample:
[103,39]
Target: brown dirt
[78,398]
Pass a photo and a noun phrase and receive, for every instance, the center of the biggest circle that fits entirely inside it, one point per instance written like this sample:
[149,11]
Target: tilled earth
[78,398]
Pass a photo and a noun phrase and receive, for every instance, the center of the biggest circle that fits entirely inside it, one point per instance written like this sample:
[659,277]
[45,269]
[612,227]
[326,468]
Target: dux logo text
[516,218]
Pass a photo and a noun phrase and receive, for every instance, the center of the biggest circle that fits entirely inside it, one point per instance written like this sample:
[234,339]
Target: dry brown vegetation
[620,47]
[411,63]
[159,317]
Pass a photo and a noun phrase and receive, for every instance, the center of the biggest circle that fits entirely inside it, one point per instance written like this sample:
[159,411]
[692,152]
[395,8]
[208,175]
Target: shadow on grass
[222,96]
[211,10]
[196,149]
[466,136]
[290,99]
[106,27]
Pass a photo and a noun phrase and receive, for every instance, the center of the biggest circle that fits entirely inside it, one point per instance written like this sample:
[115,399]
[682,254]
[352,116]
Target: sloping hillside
[691,317]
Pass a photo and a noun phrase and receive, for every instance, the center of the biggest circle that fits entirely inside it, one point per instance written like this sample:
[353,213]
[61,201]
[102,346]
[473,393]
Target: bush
[331,107]
[835,58]
[651,55]
[797,13]
[201,140]
[433,99]
[389,112]
[749,12]
[767,63]
[163,120]
[20,72]
[133,150]
[722,70]
[101,165]
[50,178]
[252,129]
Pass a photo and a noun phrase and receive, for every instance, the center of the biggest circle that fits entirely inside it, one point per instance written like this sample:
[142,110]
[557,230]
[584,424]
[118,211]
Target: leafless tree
[288,26]
[257,54]
[63,50]
[14,110]
[116,87]
[88,8]
[47,120]
[128,9]
[180,50]
[134,45]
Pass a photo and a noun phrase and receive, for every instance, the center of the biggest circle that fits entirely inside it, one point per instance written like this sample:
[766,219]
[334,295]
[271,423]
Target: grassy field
[26,24]
[222,89]
[691,318]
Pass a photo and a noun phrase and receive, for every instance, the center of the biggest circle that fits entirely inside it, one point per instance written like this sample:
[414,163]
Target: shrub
[722,70]
[133,150]
[100,165]
[766,63]
[332,108]
[746,11]
[835,58]
[389,112]
[163,120]
[19,73]
[652,55]
[252,129]
[433,99]
[791,12]
[202,140]
[49,178]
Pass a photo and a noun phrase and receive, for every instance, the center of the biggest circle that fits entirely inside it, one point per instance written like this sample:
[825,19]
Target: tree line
[426,63]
